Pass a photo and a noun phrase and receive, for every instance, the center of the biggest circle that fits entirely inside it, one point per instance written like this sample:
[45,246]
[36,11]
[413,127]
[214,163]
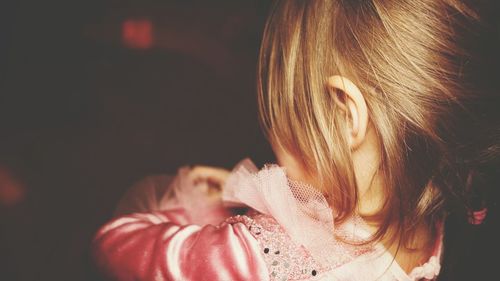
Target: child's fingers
[213,175]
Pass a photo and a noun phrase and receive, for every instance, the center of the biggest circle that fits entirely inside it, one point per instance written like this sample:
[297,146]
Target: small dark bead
[257,229]
[314,273]
[266,250]
[277,252]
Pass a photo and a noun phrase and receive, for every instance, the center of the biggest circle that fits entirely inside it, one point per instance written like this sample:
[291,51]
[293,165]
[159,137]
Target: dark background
[89,105]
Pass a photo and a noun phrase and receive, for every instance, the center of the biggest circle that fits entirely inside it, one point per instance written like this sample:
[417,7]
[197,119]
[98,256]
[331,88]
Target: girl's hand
[214,177]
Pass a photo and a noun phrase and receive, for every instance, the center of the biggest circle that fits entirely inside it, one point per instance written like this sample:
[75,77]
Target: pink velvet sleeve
[163,246]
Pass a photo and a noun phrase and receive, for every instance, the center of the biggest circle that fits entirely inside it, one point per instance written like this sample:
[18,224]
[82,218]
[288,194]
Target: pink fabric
[289,234]
[153,246]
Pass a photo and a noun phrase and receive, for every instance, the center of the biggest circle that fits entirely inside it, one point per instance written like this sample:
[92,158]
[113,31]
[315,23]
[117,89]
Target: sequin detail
[285,260]
[288,261]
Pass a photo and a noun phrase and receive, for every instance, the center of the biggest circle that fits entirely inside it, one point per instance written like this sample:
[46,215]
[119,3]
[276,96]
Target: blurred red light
[137,34]
[12,191]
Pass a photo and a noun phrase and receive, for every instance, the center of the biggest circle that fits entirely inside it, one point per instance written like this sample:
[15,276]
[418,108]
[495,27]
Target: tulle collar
[300,209]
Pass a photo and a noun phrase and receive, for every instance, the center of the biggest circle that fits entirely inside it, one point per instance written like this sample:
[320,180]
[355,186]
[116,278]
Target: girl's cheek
[292,167]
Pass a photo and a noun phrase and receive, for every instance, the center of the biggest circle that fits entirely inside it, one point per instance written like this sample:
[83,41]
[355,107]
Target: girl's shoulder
[295,221]
[288,260]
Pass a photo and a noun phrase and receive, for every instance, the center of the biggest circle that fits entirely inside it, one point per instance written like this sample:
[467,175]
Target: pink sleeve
[161,246]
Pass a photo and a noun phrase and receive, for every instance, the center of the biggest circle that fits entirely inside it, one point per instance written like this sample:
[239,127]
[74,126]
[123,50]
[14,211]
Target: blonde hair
[405,57]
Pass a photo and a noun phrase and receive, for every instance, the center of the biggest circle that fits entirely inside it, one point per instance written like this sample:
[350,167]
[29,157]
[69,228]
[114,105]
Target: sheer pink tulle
[299,208]
[159,193]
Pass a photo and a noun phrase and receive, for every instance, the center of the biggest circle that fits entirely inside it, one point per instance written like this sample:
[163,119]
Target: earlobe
[353,102]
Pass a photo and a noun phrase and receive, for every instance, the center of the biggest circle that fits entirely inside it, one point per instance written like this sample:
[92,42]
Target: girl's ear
[350,99]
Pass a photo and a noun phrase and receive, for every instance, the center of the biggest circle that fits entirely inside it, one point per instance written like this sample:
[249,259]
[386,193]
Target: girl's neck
[415,250]
[409,251]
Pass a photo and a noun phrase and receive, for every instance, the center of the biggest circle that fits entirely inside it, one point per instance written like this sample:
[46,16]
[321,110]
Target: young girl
[358,99]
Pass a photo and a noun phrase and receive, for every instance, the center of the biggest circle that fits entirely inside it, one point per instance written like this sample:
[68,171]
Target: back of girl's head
[407,59]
